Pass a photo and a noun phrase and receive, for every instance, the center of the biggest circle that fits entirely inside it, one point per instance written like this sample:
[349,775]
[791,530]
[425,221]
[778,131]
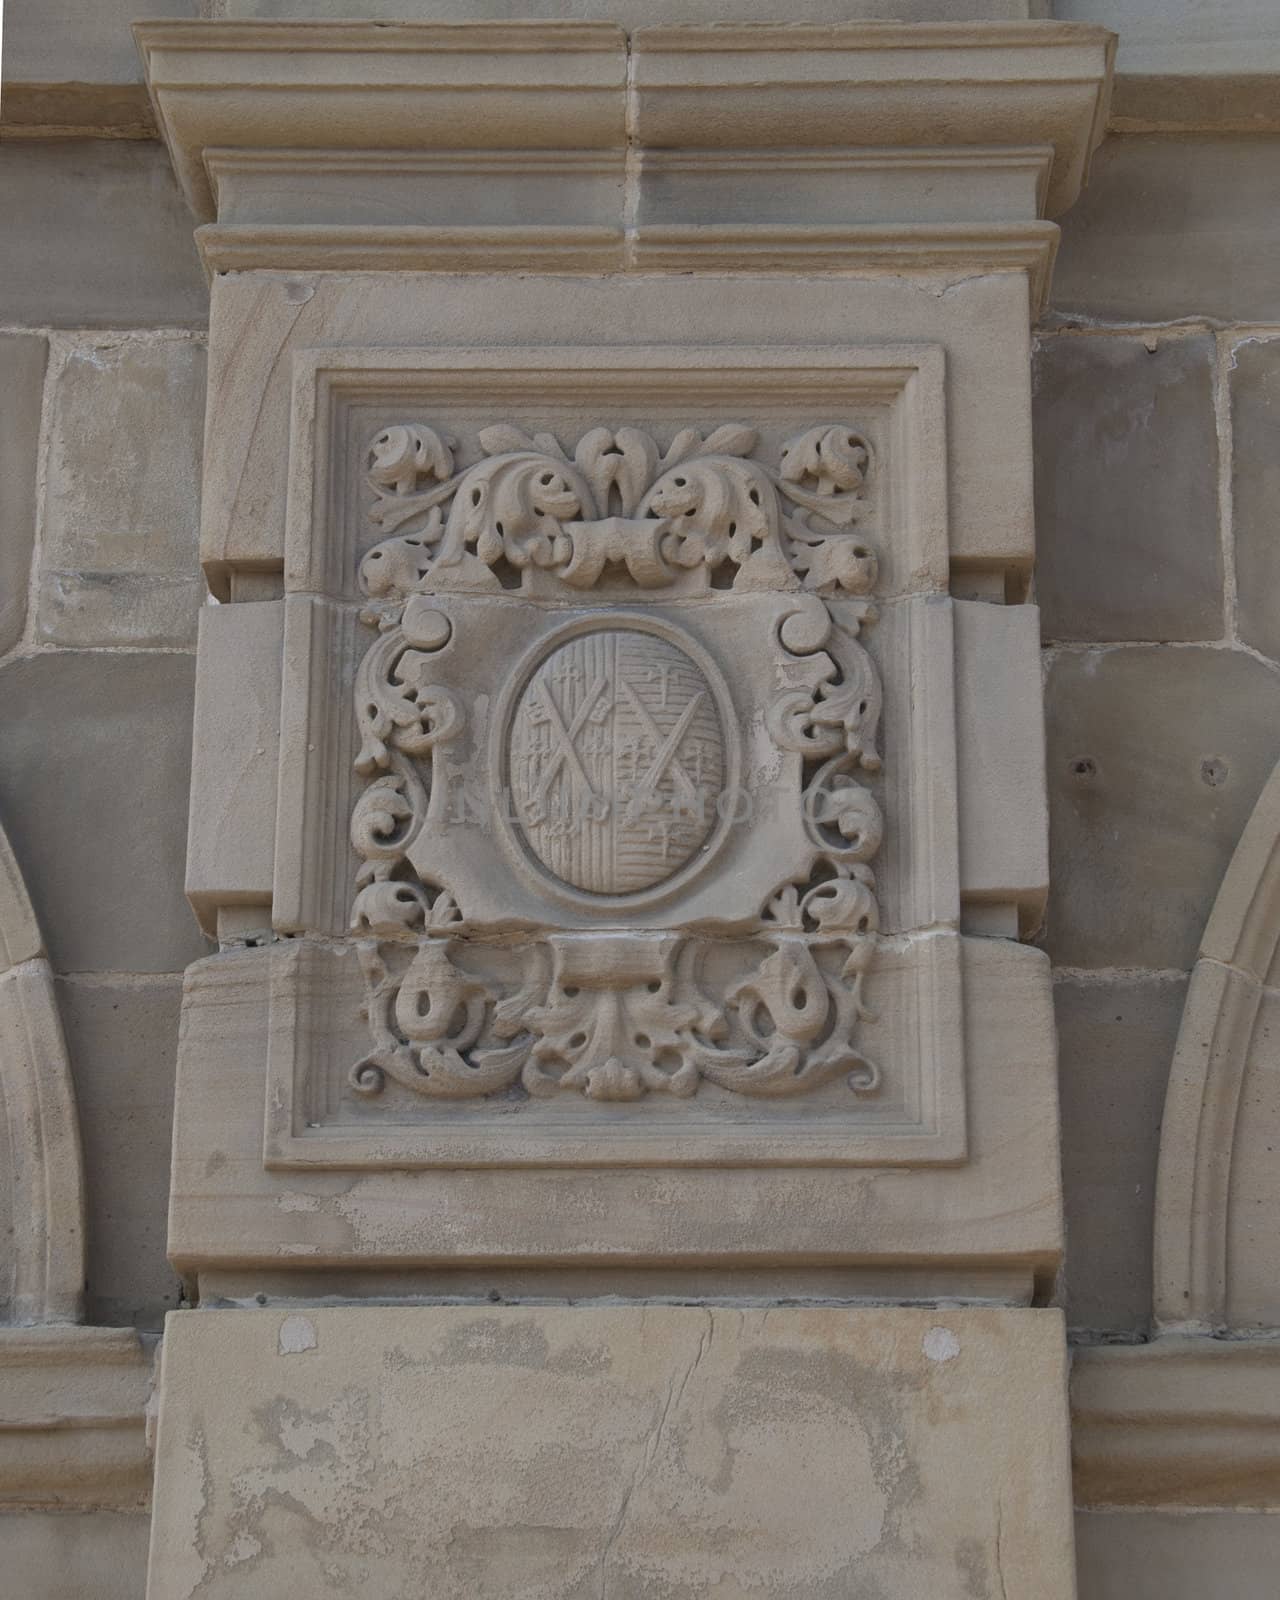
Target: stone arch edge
[40,1125]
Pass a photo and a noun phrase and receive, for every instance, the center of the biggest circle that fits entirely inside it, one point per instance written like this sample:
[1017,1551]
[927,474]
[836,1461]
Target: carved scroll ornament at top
[618,505]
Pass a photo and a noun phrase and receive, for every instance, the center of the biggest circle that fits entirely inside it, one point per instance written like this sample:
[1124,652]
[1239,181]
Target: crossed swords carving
[565,752]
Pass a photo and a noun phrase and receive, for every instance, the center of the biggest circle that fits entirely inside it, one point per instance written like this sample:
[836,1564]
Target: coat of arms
[661,876]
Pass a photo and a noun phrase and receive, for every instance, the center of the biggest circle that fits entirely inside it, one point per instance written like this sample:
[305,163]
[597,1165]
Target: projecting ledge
[861,147]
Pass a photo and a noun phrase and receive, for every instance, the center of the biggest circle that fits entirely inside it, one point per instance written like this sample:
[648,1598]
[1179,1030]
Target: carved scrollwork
[617,1015]
[425,1025]
[826,705]
[618,505]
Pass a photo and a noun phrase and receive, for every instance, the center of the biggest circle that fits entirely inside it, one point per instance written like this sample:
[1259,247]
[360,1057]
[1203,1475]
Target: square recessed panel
[617,817]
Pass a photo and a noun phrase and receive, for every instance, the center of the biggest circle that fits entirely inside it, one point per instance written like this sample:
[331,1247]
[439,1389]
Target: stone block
[1127,489]
[54,1555]
[263,321]
[997,1213]
[96,235]
[79,41]
[231,840]
[1156,756]
[1171,227]
[94,769]
[1254,378]
[1000,757]
[630,1451]
[22,364]
[1115,1043]
[123,488]
[80,609]
[122,1038]
[1168,1555]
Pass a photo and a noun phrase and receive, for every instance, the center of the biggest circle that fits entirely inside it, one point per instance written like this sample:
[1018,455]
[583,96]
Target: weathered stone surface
[998,1210]
[122,498]
[1216,1258]
[1004,865]
[1253,1297]
[1156,757]
[42,1185]
[1115,1043]
[73,1418]
[235,761]
[22,364]
[96,235]
[262,320]
[53,1555]
[117,608]
[1127,489]
[1174,227]
[79,41]
[94,774]
[634,1451]
[652,12]
[122,1037]
[1165,1555]
[1254,377]
[1177,1421]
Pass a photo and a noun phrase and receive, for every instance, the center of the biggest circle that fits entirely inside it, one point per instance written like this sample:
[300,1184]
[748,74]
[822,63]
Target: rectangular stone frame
[903,385]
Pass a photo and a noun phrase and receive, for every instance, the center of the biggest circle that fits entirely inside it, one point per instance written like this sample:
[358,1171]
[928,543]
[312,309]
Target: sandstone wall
[1157,393]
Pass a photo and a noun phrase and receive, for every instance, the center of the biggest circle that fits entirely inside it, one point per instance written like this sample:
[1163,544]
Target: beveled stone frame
[900,390]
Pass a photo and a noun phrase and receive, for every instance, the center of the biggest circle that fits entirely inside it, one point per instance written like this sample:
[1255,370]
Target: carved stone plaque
[617,802]
[616,760]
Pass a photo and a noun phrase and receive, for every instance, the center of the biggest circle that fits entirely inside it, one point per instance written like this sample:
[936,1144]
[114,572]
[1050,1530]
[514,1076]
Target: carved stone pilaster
[618,482]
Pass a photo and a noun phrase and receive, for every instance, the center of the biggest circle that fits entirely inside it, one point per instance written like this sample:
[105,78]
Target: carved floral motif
[620,504]
[617,1015]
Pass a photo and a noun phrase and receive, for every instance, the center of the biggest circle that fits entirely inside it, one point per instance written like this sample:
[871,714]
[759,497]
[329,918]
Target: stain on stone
[579,1360]
[974,1568]
[493,1341]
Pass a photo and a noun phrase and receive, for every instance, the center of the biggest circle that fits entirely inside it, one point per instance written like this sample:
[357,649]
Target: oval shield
[616,760]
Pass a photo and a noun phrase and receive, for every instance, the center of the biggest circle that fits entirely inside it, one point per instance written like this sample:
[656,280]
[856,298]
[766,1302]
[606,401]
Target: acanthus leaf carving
[611,1015]
[529,504]
[826,704]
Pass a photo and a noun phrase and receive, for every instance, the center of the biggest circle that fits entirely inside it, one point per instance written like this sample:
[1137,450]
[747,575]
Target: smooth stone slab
[95,762]
[1174,227]
[1155,758]
[56,1555]
[22,364]
[126,429]
[1253,372]
[1115,1042]
[96,235]
[122,1037]
[1168,1555]
[1127,488]
[630,1451]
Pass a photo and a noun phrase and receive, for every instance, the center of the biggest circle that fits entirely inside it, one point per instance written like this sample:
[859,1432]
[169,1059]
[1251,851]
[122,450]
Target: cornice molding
[1180,1422]
[571,147]
[73,1419]
[245,247]
[878,84]
[394,86]
[948,248]
[944,248]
